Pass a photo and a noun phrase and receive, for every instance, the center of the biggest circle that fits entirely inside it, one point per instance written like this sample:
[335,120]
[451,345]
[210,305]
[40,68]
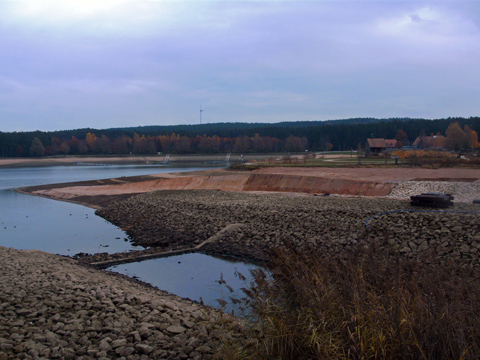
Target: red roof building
[433,141]
[380,144]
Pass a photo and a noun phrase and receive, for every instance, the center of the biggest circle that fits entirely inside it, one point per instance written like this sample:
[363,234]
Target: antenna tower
[201,114]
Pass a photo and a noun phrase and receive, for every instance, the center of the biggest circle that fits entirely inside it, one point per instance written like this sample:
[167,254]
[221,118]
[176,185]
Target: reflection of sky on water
[31,222]
[191,276]
[30,176]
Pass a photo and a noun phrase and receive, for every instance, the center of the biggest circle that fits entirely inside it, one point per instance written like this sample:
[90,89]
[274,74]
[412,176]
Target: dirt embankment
[357,181]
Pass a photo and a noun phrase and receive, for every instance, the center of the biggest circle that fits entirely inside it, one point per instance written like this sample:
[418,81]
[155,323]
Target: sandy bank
[53,308]
[174,214]
[343,181]
[122,160]
[71,160]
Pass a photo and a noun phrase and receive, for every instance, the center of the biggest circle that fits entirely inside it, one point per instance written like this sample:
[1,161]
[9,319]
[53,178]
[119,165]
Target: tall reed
[365,305]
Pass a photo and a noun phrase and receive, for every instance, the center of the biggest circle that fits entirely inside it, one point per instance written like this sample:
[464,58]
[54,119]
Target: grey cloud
[243,61]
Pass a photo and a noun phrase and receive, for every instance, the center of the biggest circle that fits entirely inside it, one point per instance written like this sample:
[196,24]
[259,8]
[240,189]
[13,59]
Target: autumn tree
[54,147]
[73,144]
[168,142]
[37,148]
[242,144]
[183,145]
[209,144]
[472,137]
[258,144]
[439,141]
[295,144]
[151,146]
[401,137]
[90,139]
[456,137]
[82,147]
[272,144]
[120,144]
[140,144]
[103,145]
[228,144]
[64,148]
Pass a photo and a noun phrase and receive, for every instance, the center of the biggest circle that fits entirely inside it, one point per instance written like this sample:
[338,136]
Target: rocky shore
[53,308]
[464,192]
[183,219]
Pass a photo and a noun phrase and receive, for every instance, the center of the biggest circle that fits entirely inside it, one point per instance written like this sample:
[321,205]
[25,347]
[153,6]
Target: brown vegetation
[370,305]
[170,143]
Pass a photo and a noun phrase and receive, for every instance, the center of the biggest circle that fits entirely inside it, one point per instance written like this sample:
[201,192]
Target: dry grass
[366,306]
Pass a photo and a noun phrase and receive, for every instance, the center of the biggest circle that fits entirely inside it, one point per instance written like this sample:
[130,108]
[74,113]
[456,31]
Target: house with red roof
[376,145]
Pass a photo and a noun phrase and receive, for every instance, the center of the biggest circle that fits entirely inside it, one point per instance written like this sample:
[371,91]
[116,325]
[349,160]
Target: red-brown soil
[344,181]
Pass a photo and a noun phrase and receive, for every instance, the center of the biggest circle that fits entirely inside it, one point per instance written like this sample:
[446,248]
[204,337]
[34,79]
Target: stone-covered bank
[184,219]
[53,308]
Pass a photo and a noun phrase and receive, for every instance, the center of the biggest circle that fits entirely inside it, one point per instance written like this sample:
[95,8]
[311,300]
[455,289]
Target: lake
[31,222]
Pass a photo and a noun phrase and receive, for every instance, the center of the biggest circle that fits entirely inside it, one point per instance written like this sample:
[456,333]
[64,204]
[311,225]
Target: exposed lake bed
[51,307]
[246,225]
[70,310]
[64,228]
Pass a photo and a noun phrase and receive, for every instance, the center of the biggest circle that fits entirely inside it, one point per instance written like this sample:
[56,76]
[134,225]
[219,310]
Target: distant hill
[212,127]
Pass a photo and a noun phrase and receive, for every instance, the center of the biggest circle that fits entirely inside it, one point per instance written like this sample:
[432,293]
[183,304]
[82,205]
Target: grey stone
[176,329]
[117,343]
[104,346]
[143,348]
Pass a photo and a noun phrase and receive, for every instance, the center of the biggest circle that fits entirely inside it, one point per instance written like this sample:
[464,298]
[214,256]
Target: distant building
[380,144]
[426,142]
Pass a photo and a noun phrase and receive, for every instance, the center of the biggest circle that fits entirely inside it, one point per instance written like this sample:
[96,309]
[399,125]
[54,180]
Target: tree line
[174,143]
[238,137]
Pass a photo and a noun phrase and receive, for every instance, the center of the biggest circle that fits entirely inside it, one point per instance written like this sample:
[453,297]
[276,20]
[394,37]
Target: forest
[238,137]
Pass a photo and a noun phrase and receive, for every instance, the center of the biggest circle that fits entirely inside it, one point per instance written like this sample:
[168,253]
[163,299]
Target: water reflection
[30,222]
[191,276]
[31,176]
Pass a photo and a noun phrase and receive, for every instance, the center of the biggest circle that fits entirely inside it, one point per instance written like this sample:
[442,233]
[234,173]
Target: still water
[31,222]
[200,276]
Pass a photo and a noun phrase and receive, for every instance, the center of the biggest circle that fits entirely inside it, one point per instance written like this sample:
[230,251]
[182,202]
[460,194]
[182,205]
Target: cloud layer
[109,63]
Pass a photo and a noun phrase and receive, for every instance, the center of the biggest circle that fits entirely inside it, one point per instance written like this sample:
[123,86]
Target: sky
[68,64]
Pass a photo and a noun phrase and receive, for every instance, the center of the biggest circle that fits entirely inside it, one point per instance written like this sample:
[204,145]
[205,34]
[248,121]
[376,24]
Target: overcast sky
[111,63]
